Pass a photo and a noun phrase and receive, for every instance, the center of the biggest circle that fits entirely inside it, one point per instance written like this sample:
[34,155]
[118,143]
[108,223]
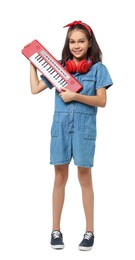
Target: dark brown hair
[93,51]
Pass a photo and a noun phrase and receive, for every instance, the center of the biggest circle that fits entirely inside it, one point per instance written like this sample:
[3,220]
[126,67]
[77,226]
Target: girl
[73,132]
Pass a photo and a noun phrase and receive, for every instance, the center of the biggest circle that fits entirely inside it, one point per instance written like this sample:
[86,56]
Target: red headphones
[82,67]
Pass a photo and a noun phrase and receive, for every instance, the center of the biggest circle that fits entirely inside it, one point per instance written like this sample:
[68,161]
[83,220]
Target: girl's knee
[84,176]
[61,175]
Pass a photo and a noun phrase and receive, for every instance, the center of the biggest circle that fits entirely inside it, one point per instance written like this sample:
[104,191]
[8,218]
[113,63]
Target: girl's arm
[36,84]
[98,101]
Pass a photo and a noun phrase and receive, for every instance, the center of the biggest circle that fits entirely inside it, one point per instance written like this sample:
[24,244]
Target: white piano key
[48,70]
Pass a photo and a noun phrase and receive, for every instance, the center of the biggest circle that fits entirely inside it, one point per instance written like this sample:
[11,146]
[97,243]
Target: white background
[26,177]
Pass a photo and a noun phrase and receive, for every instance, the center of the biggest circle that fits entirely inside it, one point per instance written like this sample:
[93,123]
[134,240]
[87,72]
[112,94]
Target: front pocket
[90,127]
[55,125]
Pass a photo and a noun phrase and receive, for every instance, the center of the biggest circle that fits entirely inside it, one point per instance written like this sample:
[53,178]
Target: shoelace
[87,235]
[56,234]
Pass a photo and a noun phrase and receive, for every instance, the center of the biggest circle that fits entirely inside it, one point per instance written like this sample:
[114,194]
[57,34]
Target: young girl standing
[73,132]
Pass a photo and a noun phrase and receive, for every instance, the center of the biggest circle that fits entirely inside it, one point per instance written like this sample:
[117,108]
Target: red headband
[80,22]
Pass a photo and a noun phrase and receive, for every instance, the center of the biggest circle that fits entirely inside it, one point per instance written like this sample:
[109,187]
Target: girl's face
[78,45]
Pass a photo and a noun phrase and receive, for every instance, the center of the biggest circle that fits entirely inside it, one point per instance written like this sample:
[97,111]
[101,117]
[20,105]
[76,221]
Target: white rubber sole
[57,246]
[84,248]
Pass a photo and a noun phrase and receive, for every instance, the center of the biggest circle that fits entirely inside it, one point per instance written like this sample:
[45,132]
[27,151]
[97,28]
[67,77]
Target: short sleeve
[49,85]
[103,78]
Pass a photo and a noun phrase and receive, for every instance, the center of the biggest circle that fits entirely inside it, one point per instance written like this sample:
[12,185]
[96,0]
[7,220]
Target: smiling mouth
[77,52]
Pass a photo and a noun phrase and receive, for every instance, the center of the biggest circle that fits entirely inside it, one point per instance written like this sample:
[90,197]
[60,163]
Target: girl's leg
[85,179]
[61,176]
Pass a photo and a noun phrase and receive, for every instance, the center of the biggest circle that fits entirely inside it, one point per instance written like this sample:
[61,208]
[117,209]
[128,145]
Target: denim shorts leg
[60,147]
[83,140]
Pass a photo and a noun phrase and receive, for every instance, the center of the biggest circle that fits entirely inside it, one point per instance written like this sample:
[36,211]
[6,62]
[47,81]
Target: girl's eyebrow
[78,39]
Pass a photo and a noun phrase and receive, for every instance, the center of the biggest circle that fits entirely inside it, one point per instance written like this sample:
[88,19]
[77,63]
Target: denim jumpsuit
[73,131]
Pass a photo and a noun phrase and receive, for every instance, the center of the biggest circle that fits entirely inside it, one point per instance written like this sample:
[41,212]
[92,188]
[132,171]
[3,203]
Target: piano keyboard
[57,75]
[47,70]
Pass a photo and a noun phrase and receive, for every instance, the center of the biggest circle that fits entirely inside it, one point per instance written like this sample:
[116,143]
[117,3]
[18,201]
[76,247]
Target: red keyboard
[57,75]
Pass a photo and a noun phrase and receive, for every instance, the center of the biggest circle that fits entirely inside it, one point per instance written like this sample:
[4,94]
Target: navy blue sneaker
[87,242]
[57,240]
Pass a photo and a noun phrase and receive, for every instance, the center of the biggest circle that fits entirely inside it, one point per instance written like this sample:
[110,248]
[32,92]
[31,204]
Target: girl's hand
[67,95]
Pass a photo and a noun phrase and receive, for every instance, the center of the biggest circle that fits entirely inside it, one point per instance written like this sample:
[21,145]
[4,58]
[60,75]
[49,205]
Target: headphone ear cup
[71,66]
[83,66]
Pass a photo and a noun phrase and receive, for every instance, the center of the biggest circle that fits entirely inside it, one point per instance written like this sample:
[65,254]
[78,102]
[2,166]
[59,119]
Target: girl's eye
[74,42]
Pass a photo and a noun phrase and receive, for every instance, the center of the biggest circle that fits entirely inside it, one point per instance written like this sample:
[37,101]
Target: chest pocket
[89,86]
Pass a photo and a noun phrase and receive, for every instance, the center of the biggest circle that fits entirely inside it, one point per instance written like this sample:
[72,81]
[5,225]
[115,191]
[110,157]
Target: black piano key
[57,77]
[41,60]
[45,65]
[48,68]
[37,56]
[64,83]
[60,80]
[52,71]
